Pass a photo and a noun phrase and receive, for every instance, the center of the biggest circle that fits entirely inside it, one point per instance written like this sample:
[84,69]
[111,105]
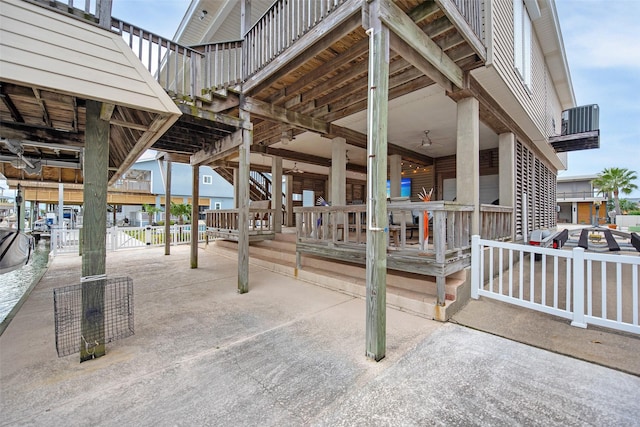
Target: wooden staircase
[407,292]
[259,184]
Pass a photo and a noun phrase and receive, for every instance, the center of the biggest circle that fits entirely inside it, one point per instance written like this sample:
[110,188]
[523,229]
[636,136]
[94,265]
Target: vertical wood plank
[194,215]
[243,206]
[167,208]
[96,158]
[276,193]
[440,245]
[376,260]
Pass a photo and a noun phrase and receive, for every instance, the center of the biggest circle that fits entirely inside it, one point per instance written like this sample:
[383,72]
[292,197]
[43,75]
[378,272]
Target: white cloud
[601,34]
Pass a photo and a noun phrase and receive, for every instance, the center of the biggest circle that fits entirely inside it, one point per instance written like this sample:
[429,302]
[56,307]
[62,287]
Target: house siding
[49,50]
[540,102]
[218,191]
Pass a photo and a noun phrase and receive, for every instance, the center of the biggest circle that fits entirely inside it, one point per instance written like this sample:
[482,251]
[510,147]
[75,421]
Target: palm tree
[616,180]
[152,211]
[181,210]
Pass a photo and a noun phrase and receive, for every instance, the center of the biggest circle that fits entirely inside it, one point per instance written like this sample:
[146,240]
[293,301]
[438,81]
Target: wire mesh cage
[110,319]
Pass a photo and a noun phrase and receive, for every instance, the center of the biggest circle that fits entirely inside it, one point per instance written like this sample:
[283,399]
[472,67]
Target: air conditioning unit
[580,119]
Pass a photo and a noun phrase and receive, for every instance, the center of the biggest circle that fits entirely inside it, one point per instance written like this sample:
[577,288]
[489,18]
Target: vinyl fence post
[114,238]
[147,235]
[578,288]
[475,266]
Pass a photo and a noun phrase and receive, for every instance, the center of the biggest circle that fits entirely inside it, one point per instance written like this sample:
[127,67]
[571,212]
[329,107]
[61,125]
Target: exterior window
[217,205]
[207,179]
[522,41]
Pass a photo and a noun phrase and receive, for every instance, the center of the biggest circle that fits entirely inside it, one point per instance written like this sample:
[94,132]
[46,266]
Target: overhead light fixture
[346,157]
[18,163]
[426,140]
[203,14]
[286,137]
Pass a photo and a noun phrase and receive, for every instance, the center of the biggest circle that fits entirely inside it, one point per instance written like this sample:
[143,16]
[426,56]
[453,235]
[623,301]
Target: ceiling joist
[403,26]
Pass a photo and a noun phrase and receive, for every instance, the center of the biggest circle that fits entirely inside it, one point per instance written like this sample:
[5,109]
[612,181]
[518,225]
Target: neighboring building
[579,202]
[215,191]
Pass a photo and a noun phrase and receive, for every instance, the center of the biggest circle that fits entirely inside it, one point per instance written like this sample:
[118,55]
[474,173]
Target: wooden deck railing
[225,222]
[131,185]
[280,26]
[346,226]
[184,71]
[496,222]
[222,64]
[193,71]
[471,10]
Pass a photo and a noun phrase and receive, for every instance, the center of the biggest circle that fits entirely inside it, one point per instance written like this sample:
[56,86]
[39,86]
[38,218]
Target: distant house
[579,202]
[215,191]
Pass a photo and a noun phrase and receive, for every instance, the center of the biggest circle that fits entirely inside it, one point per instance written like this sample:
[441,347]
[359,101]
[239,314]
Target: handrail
[593,194]
[181,70]
[496,222]
[346,226]
[222,64]
[471,10]
[281,25]
[173,65]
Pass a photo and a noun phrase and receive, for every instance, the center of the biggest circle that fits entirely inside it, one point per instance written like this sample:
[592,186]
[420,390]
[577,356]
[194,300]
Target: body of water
[15,284]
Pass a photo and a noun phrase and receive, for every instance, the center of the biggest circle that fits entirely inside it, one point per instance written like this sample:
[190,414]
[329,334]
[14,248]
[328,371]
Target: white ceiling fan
[295,169]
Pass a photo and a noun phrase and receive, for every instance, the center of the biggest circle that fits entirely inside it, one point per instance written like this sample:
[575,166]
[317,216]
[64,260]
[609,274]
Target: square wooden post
[377,227]
[94,256]
[243,205]
[167,208]
[195,215]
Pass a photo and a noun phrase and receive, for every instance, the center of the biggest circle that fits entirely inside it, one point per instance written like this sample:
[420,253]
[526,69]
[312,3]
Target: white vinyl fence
[67,241]
[584,287]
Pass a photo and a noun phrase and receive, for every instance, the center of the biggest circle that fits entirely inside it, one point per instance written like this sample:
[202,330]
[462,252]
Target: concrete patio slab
[286,353]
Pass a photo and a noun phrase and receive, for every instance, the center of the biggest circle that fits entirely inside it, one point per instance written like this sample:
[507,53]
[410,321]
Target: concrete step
[285,251]
[405,291]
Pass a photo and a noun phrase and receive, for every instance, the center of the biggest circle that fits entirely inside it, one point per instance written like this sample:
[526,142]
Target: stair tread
[357,280]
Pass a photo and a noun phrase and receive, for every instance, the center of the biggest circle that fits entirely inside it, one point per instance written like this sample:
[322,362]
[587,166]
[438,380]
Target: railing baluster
[140,39]
[168,73]
[634,292]
[510,272]
[603,290]
[131,37]
[150,50]
[619,292]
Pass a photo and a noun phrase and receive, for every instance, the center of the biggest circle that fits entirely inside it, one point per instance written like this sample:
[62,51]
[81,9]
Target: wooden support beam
[45,114]
[167,207]
[377,229]
[402,25]
[213,117]
[243,206]
[107,111]
[195,209]
[217,149]
[129,125]
[15,114]
[276,193]
[302,157]
[282,115]
[453,13]
[420,62]
[423,10]
[344,58]
[94,255]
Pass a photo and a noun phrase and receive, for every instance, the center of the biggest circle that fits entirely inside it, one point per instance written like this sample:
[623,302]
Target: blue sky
[602,46]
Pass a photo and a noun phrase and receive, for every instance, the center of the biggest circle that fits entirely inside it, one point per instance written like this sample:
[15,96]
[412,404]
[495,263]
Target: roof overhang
[46,52]
[547,28]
